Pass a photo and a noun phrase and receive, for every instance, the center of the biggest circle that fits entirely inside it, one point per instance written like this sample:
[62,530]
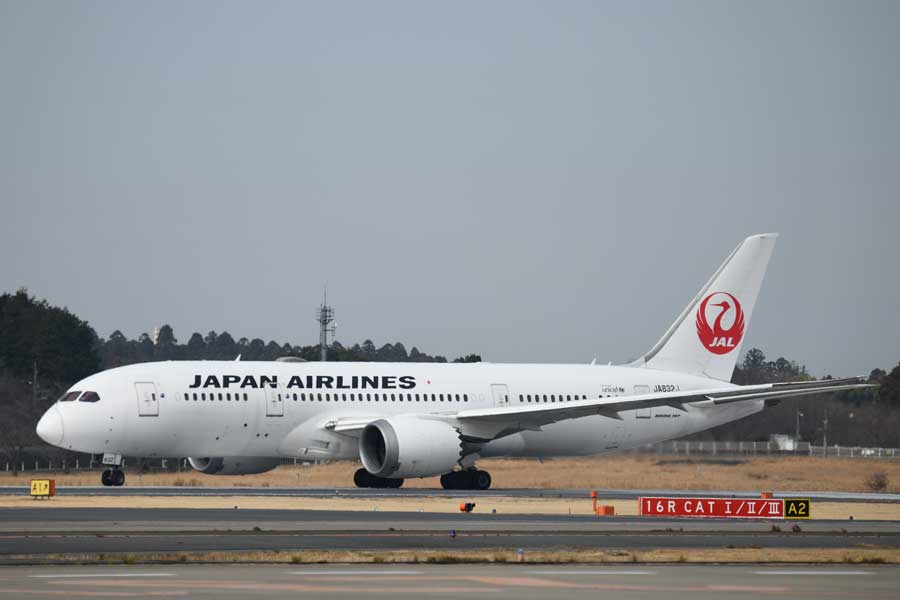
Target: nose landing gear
[112,477]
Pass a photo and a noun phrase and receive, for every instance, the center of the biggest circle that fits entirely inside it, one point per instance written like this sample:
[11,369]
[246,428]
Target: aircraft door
[501,394]
[274,401]
[148,399]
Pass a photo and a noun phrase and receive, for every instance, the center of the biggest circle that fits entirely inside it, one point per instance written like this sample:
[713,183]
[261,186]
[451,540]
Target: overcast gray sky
[535,182]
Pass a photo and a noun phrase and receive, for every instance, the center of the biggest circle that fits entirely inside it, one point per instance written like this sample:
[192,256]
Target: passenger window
[195,396]
[220,396]
[465,397]
[245,396]
[89,397]
[186,397]
[203,396]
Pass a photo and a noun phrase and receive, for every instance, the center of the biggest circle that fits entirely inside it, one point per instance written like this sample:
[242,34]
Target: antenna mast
[325,317]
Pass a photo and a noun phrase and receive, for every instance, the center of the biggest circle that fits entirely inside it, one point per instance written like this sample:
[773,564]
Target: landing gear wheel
[481,480]
[114,477]
[455,480]
[470,479]
[364,479]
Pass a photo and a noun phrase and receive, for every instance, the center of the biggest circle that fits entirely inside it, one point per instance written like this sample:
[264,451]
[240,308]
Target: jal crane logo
[728,327]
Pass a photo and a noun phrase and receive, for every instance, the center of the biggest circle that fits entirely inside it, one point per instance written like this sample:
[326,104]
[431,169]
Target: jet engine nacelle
[233,465]
[409,446]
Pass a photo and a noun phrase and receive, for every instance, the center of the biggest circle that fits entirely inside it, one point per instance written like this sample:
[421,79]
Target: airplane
[404,420]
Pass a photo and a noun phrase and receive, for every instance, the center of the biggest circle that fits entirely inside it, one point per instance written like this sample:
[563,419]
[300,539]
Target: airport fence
[772,448]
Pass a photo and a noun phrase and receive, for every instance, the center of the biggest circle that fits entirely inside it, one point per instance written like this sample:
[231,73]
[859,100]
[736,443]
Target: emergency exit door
[501,394]
[274,401]
[148,399]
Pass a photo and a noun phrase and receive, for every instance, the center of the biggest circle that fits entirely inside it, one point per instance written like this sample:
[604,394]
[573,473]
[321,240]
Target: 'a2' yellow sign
[796,508]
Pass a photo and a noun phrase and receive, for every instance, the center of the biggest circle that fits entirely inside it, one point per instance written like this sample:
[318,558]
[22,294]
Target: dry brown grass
[505,505]
[615,472]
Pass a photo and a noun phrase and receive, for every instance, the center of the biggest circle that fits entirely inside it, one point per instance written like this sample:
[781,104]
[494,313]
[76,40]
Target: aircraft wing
[483,424]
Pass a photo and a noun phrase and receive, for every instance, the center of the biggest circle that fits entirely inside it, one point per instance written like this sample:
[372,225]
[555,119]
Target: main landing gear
[469,479]
[364,479]
[113,476]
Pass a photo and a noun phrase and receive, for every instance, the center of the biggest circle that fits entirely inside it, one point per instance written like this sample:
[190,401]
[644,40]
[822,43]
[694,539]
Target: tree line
[849,418]
[118,350]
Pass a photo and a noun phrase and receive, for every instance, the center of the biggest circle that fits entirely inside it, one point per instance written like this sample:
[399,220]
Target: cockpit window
[90,397]
[70,397]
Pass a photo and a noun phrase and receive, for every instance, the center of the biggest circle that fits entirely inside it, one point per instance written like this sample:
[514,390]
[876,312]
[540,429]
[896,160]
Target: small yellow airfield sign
[796,508]
[43,488]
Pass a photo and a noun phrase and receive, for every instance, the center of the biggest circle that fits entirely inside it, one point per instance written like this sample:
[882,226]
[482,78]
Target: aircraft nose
[50,427]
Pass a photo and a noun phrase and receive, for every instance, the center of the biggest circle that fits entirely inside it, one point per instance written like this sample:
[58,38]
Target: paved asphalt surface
[500,582]
[86,530]
[114,520]
[135,490]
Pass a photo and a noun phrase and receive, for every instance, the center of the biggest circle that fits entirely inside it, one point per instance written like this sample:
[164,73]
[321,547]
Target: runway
[353,492]
[40,531]
[505,582]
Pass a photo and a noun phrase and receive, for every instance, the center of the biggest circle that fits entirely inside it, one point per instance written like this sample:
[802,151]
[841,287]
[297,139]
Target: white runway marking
[586,572]
[802,572]
[361,572]
[90,575]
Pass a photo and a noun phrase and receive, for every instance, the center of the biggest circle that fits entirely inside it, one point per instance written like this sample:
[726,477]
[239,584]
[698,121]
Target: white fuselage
[213,408]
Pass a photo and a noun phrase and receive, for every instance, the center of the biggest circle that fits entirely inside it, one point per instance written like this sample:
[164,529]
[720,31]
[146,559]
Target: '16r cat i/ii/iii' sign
[725,508]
